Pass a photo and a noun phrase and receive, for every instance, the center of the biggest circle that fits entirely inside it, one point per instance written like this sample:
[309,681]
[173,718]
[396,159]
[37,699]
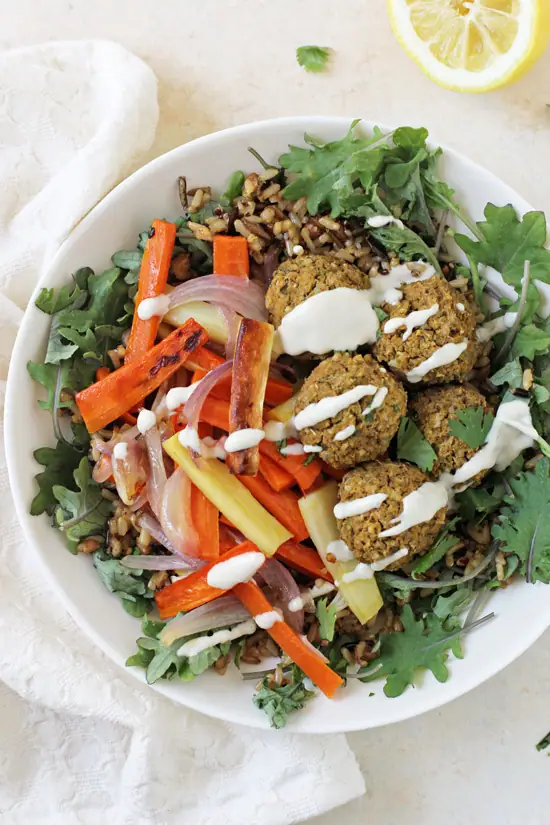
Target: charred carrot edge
[205,518]
[248,382]
[304,473]
[153,277]
[230,254]
[283,505]
[290,642]
[121,390]
[276,391]
[276,476]
[194,590]
[304,560]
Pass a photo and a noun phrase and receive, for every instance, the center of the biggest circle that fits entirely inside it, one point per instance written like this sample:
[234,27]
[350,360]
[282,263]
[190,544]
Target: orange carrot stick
[277,391]
[194,590]
[231,255]
[100,374]
[216,412]
[153,277]
[121,390]
[283,505]
[276,476]
[204,359]
[304,559]
[204,516]
[304,471]
[226,540]
[290,643]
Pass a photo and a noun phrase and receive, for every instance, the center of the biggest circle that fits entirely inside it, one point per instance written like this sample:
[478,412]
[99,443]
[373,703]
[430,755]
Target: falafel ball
[361,533]
[452,322]
[432,411]
[297,279]
[351,436]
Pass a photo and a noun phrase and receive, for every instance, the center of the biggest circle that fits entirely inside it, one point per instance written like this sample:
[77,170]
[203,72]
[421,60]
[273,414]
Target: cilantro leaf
[507,242]
[529,341]
[234,188]
[511,374]
[60,463]
[472,426]
[523,527]
[326,616]
[313,58]
[413,447]
[279,701]
[84,512]
[422,644]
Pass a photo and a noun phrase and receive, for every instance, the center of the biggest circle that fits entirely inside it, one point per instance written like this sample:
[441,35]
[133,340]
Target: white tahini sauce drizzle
[278,431]
[178,396]
[343,435]
[357,506]
[146,420]
[321,588]
[120,450]
[340,550]
[367,571]
[496,326]
[226,574]
[189,437]
[296,604]
[411,321]
[331,405]
[268,619]
[442,356]
[377,401]
[211,448]
[419,506]
[194,646]
[207,447]
[336,319]
[460,307]
[378,221]
[312,448]
[243,439]
[153,307]
[292,449]
[385,289]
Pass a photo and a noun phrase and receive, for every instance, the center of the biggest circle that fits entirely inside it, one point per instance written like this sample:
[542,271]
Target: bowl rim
[257,720]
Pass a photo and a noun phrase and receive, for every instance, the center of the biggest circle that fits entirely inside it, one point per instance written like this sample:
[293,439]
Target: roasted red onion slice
[155,530]
[239,294]
[227,610]
[233,322]
[282,589]
[153,562]
[103,469]
[130,471]
[175,514]
[193,407]
[157,474]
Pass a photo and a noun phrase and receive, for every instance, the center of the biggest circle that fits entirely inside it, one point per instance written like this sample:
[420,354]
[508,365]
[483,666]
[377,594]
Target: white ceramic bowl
[523,611]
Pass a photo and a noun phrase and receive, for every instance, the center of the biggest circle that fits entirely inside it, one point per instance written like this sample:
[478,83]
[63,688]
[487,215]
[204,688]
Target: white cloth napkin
[80,741]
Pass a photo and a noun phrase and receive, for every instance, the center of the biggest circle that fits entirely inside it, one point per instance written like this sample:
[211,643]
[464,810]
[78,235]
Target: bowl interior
[523,611]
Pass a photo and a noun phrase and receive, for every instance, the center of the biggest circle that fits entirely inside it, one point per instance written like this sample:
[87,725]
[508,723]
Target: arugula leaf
[540,394]
[507,242]
[529,341]
[83,513]
[119,579]
[312,58]
[60,463]
[443,543]
[195,665]
[52,301]
[278,702]
[406,243]
[511,374]
[326,616]
[479,500]
[136,606]
[472,426]
[413,447]
[234,188]
[448,608]
[142,658]
[128,259]
[523,527]
[151,628]
[164,661]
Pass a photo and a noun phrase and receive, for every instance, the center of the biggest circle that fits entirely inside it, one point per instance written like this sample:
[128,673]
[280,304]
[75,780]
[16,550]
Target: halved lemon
[472,45]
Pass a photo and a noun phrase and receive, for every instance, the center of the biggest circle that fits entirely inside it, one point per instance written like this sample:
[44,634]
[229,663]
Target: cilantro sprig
[313,58]
[413,447]
[471,425]
[279,701]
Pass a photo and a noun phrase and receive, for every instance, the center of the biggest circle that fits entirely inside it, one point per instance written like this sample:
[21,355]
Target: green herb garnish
[413,447]
[313,58]
[472,426]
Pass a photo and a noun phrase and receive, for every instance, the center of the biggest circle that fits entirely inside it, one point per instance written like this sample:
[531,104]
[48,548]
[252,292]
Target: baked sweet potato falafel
[361,533]
[351,436]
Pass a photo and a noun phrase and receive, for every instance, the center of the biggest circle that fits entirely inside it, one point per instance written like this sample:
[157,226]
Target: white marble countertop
[223,62]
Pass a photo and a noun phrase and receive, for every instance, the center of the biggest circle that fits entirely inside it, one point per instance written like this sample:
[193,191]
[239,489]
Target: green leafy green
[119,579]
[313,58]
[448,608]
[523,527]
[163,661]
[406,243]
[326,616]
[60,462]
[82,512]
[529,341]
[234,188]
[279,701]
[479,500]
[52,301]
[544,743]
[413,447]
[511,374]
[195,665]
[128,259]
[422,644]
[443,543]
[472,426]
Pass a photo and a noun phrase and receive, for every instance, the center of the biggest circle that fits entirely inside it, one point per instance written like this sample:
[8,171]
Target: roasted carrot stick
[204,359]
[249,376]
[332,471]
[194,590]
[288,640]
[216,412]
[100,374]
[153,277]
[304,559]
[283,505]
[277,391]
[301,467]
[121,390]
[231,256]
[204,516]
[276,476]
[226,540]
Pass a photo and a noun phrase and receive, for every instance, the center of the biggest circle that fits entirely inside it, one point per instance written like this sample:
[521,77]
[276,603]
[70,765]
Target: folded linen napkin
[81,741]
